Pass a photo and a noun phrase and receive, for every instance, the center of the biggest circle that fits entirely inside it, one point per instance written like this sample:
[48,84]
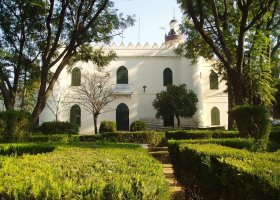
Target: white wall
[145,66]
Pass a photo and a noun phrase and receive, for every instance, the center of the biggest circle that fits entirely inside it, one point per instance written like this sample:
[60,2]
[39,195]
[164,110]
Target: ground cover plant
[210,169]
[83,171]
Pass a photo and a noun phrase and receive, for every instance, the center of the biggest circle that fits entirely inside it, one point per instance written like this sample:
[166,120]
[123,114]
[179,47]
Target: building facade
[137,75]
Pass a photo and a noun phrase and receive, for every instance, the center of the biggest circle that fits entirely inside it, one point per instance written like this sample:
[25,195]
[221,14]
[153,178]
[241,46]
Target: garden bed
[84,171]
[212,171]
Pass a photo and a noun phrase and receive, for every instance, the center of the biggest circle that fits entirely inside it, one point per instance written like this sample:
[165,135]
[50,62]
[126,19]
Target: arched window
[122,75]
[76,77]
[215,116]
[214,83]
[167,77]
[75,115]
[122,117]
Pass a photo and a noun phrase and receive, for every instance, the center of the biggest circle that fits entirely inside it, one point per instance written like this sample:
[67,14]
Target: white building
[138,74]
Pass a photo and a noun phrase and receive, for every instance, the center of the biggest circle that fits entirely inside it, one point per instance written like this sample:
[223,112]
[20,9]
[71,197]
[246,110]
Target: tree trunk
[178,121]
[230,106]
[95,116]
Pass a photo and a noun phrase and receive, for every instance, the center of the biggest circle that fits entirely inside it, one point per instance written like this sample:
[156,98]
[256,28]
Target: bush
[188,134]
[225,134]
[252,121]
[211,171]
[98,170]
[107,126]
[138,126]
[152,138]
[25,148]
[52,138]
[275,134]
[57,127]
[14,125]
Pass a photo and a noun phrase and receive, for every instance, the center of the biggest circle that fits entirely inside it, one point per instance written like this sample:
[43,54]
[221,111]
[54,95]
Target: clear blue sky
[153,14]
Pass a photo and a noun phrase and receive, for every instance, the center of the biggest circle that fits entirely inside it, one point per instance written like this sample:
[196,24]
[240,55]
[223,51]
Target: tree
[177,100]
[95,93]
[230,32]
[276,106]
[58,100]
[64,32]
[18,58]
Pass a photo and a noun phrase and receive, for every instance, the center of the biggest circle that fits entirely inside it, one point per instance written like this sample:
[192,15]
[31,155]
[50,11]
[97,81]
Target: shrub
[188,134]
[275,134]
[152,138]
[14,125]
[25,148]
[225,134]
[107,126]
[84,171]
[52,138]
[138,126]
[252,121]
[57,127]
[211,171]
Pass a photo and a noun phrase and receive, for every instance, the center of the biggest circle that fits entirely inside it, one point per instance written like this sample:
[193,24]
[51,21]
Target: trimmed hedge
[138,126]
[53,138]
[275,134]
[14,125]
[151,138]
[25,148]
[97,171]
[57,127]
[252,121]
[107,126]
[200,134]
[212,171]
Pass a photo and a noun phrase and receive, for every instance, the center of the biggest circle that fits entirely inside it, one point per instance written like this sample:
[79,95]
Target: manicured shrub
[25,148]
[152,138]
[188,134]
[52,138]
[138,126]
[57,127]
[14,125]
[107,126]
[212,171]
[98,171]
[275,134]
[225,134]
[252,121]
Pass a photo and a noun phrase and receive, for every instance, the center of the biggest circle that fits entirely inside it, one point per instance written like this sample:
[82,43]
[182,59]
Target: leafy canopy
[177,100]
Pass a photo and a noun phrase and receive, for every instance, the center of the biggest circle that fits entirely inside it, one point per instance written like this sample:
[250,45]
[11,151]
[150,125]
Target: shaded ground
[175,189]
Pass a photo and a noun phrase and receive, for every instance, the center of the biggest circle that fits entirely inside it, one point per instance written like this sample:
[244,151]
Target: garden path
[161,154]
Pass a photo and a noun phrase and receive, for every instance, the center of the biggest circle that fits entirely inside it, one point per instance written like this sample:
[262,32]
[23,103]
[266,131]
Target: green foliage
[151,138]
[98,171]
[14,125]
[138,126]
[252,121]
[276,106]
[53,138]
[25,148]
[57,127]
[212,171]
[107,126]
[200,134]
[275,134]
[177,100]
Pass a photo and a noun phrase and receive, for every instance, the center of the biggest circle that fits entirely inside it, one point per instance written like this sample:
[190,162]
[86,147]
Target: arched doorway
[215,116]
[122,117]
[75,115]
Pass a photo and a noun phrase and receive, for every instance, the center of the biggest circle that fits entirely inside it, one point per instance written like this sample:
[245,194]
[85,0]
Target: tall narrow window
[167,77]
[75,115]
[214,83]
[215,116]
[76,77]
[122,75]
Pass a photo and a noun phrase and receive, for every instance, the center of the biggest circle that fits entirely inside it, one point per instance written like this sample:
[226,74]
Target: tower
[174,37]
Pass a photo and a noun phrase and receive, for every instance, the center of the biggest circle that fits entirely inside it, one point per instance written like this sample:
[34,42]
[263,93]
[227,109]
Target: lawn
[96,170]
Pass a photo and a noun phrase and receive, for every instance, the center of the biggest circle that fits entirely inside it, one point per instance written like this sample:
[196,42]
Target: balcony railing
[123,89]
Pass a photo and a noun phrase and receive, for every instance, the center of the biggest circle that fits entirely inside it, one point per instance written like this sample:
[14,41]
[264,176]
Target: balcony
[123,89]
